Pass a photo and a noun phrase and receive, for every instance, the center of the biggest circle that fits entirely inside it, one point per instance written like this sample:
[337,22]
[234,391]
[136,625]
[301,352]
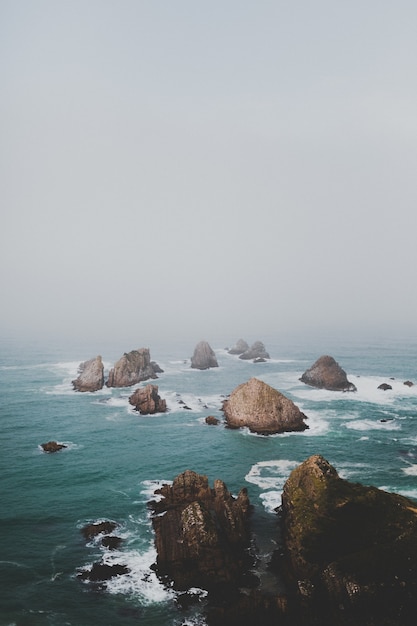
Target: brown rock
[325,373]
[98,528]
[203,357]
[147,400]
[201,534]
[212,421]
[53,446]
[262,409]
[132,368]
[90,375]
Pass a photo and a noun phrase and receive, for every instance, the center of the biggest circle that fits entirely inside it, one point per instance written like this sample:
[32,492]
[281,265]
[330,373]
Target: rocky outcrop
[211,420]
[132,368]
[100,572]
[408,383]
[384,386]
[52,446]
[203,357]
[325,373]
[201,533]
[350,551]
[262,409]
[256,351]
[90,375]
[240,347]
[147,400]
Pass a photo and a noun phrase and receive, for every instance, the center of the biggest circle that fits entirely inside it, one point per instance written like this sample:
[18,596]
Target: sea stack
[240,347]
[203,357]
[256,351]
[262,409]
[132,368]
[147,401]
[90,375]
[325,373]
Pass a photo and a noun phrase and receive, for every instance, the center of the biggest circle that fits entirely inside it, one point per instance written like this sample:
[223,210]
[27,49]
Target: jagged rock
[201,534]
[132,368]
[98,528]
[240,347]
[52,446]
[203,357]
[325,373]
[408,383]
[147,400]
[102,571]
[211,420]
[350,551]
[262,409]
[90,375]
[385,387]
[112,543]
[256,351]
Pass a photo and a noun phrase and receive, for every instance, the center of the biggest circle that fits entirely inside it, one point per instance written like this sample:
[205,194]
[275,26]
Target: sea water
[115,459]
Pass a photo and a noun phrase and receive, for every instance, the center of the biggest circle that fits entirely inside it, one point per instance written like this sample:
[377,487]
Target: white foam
[369,424]
[271,500]
[411,470]
[270,474]
[149,487]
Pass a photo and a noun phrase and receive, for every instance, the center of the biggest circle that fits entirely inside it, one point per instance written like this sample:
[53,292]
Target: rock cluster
[203,357]
[201,533]
[256,352]
[325,373]
[132,368]
[262,409]
[101,571]
[147,401]
[90,375]
[350,551]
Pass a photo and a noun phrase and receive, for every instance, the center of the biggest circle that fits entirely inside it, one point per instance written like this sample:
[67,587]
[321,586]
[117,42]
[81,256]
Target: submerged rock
[262,409]
[201,533]
[147,400]
[90,375]
[350,551]
[203,357]
[53,446]
[132,368]
[256,351]
[325,373]
[98,528]
[100,572]
[240,347]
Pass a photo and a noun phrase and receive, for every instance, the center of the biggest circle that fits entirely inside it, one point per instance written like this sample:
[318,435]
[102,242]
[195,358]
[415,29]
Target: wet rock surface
[326,373]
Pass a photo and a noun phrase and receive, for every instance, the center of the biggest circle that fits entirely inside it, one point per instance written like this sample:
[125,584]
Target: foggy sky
[204,168]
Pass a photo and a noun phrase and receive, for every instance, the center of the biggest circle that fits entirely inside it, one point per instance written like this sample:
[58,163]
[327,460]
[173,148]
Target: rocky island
[204,357]
[325,373]
[90,375]
[132,368]
[147,400]
[262,409]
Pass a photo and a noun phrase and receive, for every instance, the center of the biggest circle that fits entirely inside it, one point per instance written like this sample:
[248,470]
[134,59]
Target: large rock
[147,400]
[132,368]
[350,551]
[52,446]
[90,375]
[201,534]
[203,357]
[325,373]
[256,351]
[240,347]
[262,409]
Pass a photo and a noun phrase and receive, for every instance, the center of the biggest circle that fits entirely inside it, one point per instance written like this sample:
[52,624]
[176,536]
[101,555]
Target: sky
[202,169]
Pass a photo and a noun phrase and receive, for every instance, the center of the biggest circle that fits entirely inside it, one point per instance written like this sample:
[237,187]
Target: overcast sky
[190,168]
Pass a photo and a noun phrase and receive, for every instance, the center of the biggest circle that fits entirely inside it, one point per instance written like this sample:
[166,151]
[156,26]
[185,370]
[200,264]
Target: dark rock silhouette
[325,373]
[90,375]
[256,351]
[409,383]
[147,401]
[350,551]
[262,409]
[201,533]
[100,572]
[384,386]
[52,446]
[203,357]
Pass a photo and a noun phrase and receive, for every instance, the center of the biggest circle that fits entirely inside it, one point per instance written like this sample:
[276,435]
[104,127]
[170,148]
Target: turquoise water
[115,459]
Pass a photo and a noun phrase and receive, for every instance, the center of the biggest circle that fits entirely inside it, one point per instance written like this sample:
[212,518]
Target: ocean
[115,459]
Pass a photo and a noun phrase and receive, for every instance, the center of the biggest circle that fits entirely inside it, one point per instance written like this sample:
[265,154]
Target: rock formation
[203,357]
[408,383]
[147,400]
[325,373]
[256,351]
[52,446]
[211,420]
[90,375]
[132,368]
[350,551]
[384,386]
[240,347]
[262,409]
[201,534]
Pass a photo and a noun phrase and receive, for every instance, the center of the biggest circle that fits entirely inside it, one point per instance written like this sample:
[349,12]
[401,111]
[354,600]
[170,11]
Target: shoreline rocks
[325,373]
[262,409]
[90,375]
[204,357]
